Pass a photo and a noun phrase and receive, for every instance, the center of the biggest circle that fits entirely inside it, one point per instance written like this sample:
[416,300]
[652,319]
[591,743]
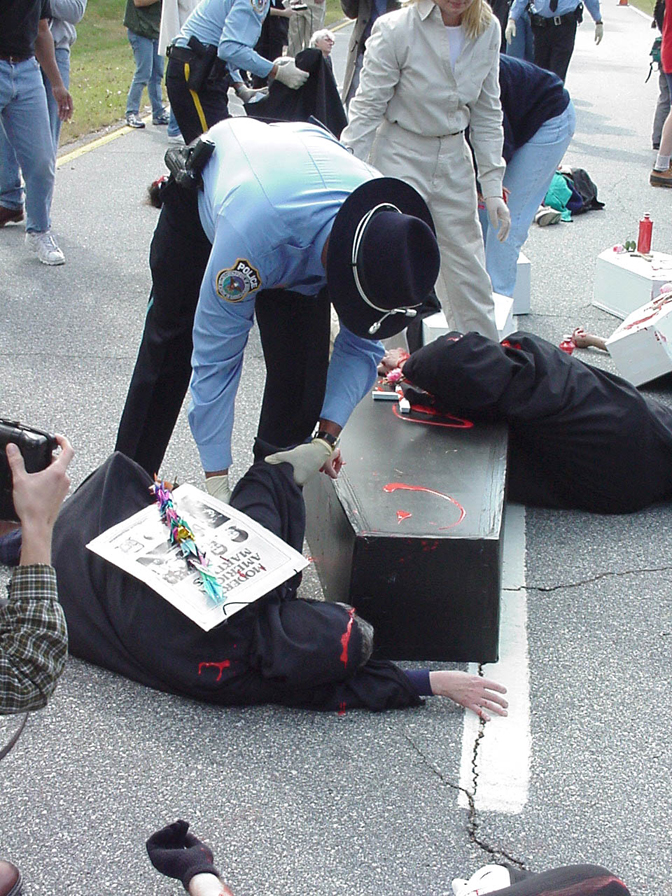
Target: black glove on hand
[176,853]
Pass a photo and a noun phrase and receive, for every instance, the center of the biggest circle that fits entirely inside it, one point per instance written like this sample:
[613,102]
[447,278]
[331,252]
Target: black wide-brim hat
[401,263]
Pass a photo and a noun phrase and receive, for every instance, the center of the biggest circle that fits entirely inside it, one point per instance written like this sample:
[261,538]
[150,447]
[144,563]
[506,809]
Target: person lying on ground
[579,437]
[179,854]
[280,649]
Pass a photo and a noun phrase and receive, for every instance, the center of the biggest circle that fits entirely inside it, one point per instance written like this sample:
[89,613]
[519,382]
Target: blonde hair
[475,18]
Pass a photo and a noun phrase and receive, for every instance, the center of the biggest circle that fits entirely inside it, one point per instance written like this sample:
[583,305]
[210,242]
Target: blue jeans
[522,45]
[173,126]
[528,176]
[25,120]
[148,73]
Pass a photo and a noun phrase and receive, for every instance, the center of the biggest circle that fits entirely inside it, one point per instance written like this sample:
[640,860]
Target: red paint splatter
[506,344]
[345,637]
[458,422]
[403,515]
[341,708]
[221,666]
[394,486]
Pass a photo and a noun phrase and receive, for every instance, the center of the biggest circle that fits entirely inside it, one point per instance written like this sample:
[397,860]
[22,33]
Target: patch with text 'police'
[236,283]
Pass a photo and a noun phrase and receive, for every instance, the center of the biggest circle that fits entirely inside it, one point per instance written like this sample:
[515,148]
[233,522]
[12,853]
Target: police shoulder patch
[259,6]
[236,283]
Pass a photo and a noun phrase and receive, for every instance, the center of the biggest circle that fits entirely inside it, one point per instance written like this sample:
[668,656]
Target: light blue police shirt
[234,27]
[543,8]
[271,193]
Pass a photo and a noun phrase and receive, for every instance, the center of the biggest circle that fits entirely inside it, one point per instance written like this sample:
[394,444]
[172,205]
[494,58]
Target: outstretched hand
[478,694]
[176,853]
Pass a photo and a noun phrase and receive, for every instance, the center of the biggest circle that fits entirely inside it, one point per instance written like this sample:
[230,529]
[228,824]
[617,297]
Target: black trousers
[294,332]
[195,112]
[553,47]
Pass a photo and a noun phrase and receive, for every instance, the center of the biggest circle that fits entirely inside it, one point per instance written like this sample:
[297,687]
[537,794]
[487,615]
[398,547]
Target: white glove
[218,487]
[487,879]
[499,215]
[307,459]
[249,94]
[599,32]
[510,30]
[288,74]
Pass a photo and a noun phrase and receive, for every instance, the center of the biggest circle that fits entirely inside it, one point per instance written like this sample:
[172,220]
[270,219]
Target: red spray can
[644,236]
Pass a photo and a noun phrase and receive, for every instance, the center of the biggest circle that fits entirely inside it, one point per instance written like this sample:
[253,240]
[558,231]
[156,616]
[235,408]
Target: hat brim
[353,312]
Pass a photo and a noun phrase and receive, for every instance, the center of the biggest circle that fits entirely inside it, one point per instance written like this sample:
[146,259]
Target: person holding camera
[33,634]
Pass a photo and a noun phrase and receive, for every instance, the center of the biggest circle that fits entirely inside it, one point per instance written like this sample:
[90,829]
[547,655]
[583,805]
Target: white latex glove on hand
[288,74]
[510,30]
[249,94]
[307,459]
[599,32]
[499,215]
[488,879]
[218,487]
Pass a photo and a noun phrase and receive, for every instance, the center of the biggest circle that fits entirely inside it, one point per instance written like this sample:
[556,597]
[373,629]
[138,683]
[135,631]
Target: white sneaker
[45,247]
[487,879]
[547,215]
[177,139]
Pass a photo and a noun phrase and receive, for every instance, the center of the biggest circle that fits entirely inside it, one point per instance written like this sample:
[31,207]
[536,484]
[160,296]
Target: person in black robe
[579,437]
[279,649]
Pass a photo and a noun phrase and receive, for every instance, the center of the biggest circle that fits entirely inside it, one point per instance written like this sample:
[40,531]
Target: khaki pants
[441,170]
[303,24]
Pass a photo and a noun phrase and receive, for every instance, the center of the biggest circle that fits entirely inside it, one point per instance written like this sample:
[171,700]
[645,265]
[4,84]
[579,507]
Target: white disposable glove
[249,94]
[288,74]
[307,459]
[487,879]
[499,215]
[599,32]
[510,30]
[218,487]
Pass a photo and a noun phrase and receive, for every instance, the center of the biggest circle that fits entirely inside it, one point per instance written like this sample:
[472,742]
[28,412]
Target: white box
[522,301]
[641,347]
[625,282]
[436,324]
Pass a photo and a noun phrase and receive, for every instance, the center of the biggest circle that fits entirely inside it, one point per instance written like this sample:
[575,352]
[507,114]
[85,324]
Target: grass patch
[102,67]
[645,5]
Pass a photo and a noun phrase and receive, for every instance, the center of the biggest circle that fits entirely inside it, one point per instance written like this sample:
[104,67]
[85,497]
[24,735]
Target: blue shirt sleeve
[223,320]
[240,34]
[352,373]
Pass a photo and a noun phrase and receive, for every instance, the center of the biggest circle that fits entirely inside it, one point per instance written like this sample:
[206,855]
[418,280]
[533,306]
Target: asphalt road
[301,803]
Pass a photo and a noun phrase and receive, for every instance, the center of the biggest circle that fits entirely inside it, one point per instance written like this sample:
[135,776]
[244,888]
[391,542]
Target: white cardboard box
[522,302]
[625,282]
[641,347]
[436,324]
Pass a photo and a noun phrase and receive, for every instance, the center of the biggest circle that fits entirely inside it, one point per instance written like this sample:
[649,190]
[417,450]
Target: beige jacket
[407,79]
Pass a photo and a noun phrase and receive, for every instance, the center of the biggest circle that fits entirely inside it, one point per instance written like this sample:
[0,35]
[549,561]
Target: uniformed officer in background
[554,24]
[266,236]
[204,60]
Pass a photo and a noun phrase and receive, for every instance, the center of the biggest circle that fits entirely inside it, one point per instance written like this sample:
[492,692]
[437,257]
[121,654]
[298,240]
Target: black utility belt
[548,21]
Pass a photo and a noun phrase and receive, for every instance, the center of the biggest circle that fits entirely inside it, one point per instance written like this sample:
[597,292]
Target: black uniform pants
[294,332]
[195,112]
[579,880]
[553,46]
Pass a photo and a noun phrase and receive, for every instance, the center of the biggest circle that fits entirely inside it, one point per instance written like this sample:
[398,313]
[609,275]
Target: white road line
[505,750]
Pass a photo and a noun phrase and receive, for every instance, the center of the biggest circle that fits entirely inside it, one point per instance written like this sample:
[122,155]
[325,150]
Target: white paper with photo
[247,560]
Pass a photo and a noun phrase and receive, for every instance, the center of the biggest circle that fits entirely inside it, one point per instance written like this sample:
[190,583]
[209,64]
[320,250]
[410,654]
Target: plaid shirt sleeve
[33,640]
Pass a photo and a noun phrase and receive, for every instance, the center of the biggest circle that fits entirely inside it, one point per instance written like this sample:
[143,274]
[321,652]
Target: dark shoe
[10,879]
[655,146]
[10,215]
[661,178]
[134,121]
[163,118]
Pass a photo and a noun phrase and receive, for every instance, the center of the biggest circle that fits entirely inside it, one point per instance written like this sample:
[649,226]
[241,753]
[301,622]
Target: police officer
[554,25]
[204,61]
[267,234]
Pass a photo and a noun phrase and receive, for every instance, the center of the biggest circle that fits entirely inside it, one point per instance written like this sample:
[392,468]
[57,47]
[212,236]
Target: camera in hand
[35,446]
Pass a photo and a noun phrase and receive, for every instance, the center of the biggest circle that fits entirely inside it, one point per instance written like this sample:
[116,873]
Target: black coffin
[411,533]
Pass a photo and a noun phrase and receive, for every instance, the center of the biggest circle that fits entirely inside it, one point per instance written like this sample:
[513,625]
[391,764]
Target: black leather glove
[176,853]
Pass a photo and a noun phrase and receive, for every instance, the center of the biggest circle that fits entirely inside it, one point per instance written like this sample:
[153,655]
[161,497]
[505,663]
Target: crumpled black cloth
[281,649]
[579,437]
[318,97]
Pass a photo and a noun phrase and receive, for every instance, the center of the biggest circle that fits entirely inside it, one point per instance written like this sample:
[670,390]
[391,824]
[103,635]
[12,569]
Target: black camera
[35,446]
